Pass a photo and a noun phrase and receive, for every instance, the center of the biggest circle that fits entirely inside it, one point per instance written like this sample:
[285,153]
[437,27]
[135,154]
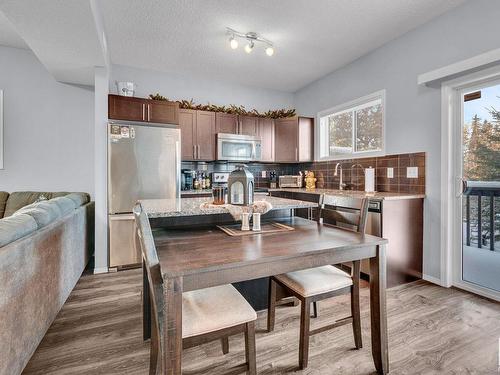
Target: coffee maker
[187,176]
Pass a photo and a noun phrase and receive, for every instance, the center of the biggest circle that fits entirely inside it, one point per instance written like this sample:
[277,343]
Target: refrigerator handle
[177,169]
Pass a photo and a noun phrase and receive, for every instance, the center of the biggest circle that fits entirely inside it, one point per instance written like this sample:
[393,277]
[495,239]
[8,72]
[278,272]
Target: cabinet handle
[194,152]
[296,154]
[198,151]
[149,117]
[143,112]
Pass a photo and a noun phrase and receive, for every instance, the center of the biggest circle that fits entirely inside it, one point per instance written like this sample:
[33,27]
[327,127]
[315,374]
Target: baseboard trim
[432,279]
[100,270]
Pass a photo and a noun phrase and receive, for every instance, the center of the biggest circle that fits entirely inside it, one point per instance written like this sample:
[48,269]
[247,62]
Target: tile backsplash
[353,173]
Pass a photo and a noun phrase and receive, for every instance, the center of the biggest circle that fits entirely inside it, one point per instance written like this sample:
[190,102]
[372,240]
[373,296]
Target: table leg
[378,311]
[146,305]
[172,326]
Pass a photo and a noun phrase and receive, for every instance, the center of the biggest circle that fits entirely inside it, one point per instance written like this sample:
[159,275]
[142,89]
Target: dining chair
[316,284]
[207,314]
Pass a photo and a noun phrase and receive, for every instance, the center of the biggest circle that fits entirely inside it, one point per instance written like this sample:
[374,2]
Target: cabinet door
[286,140]
[126,108]
[266,134]
[249,125]
[163,112]
[226,123]
[187,123]
[306,139]
[205,135]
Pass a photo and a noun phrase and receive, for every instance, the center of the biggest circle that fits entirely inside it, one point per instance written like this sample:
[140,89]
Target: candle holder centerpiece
[240,186]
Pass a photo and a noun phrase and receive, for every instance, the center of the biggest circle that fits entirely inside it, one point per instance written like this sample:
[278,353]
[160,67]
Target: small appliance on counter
[289,181]
[241,186]
[187,179]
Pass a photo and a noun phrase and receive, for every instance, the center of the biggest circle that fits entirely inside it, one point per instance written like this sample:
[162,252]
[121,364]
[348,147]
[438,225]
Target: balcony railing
[482,214]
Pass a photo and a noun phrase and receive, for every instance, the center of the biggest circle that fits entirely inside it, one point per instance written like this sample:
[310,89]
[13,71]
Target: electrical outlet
[263,174]
[411,172]
[390,172]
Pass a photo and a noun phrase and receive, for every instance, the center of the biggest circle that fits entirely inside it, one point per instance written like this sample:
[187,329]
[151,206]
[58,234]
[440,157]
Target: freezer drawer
[123,251]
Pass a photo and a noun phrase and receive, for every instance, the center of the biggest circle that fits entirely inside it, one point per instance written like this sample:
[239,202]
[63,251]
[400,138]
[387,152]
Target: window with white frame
[353,129]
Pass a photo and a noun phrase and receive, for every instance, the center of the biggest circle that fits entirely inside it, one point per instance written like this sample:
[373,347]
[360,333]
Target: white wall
[48,128]
[202,90]
[413,112]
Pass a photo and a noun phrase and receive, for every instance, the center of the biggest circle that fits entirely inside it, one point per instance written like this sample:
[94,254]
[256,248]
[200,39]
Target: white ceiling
[312,38]
[8,35]
[61,33]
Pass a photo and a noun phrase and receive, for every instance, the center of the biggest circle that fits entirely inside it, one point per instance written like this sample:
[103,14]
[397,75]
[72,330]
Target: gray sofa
[46,240]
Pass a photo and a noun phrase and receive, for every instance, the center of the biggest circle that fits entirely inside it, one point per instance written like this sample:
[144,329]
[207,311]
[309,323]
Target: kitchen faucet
[341,182]
[352,173]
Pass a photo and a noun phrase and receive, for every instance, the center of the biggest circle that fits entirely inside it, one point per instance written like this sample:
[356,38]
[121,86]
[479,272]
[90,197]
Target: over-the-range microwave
[237,147]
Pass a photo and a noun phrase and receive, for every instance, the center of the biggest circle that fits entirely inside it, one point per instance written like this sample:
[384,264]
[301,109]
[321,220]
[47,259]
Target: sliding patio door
[480,199]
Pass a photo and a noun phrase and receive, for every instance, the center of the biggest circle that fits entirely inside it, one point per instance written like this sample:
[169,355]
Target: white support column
[101,170]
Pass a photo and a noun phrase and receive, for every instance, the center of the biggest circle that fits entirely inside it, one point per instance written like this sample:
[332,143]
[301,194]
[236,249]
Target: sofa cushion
[15,227]
[44,212]
[66,205]
[20,199]
[3,201]
[79,198]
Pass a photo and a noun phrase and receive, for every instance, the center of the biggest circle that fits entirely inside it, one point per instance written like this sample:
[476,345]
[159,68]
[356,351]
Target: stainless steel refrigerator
[144,162]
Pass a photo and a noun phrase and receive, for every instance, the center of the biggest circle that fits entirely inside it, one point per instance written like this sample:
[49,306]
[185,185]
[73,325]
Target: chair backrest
[144,239]
[344,212]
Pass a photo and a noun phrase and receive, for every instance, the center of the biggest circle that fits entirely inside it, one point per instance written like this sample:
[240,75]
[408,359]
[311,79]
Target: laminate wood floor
[432,330]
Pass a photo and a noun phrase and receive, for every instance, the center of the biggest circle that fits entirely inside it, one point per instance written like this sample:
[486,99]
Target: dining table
[204,256]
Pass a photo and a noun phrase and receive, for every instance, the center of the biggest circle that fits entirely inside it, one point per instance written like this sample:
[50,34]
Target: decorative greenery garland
[231,109]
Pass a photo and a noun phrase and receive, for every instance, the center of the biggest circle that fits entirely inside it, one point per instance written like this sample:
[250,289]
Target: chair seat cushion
[212,309]
[314,281]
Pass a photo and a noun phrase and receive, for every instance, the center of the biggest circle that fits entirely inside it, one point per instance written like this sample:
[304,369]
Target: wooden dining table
[201,257]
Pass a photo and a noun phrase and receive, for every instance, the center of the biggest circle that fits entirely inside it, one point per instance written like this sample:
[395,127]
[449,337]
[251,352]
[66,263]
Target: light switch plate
[263,174]
[390,172]
[411,172]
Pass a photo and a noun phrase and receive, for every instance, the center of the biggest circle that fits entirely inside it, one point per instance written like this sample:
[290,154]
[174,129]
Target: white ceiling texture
[311,38]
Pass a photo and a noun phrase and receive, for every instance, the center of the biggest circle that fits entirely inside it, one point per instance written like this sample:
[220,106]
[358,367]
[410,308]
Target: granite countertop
[156,208]
[355,194]
[195,192]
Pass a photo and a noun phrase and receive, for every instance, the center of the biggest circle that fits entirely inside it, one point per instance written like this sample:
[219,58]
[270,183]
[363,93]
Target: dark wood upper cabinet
[205,135]
[266,134]
[249,125]
[197,135]
[294,139]
[139,109]
[226,123]
[187,124]
[235,124]
[126,108]
[163,112]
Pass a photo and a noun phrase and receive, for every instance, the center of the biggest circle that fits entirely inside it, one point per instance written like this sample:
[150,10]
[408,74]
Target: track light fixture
[251,38]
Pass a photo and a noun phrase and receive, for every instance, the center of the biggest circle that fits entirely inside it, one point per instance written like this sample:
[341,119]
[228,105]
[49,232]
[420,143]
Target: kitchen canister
[370,180]
[126,88]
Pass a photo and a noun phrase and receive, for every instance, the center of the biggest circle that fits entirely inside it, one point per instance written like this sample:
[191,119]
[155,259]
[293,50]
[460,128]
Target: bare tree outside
[357,130]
